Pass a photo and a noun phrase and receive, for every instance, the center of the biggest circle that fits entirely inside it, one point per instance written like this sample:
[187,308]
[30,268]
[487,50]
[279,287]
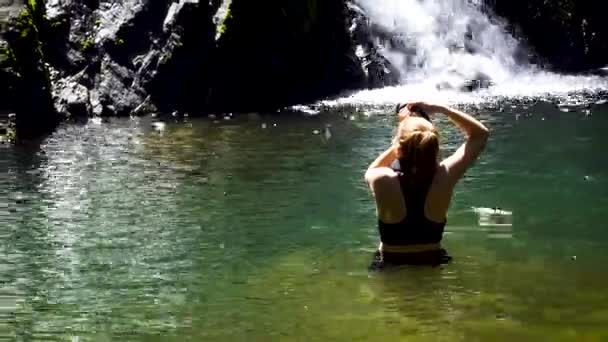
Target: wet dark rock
[115,89]
[378,71]
[479,81]
[196,57]
[145,107]
[26,87]
[132,57]
[274,54]
[567,35]
[71,98]
[177,75]
[129,50]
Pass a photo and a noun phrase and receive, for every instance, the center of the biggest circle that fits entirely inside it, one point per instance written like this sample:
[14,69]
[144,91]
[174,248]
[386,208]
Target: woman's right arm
[476,137]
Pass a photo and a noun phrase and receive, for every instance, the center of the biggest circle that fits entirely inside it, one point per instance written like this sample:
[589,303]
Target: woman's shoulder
[442,184]
[380,175]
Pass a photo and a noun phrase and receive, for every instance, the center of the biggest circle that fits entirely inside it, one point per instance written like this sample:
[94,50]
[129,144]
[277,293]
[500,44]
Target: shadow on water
[261,228]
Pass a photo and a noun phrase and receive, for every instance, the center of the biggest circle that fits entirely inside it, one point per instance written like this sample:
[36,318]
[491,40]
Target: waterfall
[443,39]
[453,50]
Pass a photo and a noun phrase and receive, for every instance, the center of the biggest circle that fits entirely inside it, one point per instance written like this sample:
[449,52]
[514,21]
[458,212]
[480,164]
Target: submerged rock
[478,81]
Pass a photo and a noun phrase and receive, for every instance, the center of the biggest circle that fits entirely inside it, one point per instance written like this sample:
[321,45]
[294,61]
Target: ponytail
[418,152]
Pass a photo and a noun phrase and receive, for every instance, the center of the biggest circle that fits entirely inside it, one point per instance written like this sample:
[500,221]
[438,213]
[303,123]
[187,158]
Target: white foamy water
[438,45]
[532,85]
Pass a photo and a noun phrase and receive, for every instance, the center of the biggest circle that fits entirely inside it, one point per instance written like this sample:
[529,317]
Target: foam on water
[532,85]
[439,44]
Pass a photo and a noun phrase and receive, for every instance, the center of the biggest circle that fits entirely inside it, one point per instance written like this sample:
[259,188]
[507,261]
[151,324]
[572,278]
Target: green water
[242,230]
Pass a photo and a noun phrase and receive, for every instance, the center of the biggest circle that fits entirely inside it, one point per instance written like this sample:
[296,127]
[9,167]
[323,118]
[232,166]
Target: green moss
[27,47]
[7,58]
[24,62]
[36,10]
[313,8]
[87,45]
[56,24]
[7,135]
[25,24]
[222,28]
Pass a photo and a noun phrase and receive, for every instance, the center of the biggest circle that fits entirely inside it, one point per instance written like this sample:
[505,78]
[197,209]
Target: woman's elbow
[483,134]
[368,175]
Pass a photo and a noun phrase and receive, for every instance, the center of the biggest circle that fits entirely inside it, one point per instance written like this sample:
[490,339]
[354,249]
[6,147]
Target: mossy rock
[24,68]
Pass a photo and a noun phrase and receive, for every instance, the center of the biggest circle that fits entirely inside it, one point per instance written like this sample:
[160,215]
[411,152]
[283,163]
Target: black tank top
[415,228]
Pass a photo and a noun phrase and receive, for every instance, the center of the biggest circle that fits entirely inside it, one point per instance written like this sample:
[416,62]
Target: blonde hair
[417,148]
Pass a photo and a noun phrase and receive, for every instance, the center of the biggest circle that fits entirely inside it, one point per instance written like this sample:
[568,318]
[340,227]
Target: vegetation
[22,63]
[58,23]
[222,25]
[25,50]
[7,58]
[87,45]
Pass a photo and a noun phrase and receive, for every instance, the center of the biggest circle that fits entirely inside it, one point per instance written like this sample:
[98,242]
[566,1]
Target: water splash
[447,40]
[452,51]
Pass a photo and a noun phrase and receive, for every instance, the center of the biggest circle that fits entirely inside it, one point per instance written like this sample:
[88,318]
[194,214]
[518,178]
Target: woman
[413,188]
